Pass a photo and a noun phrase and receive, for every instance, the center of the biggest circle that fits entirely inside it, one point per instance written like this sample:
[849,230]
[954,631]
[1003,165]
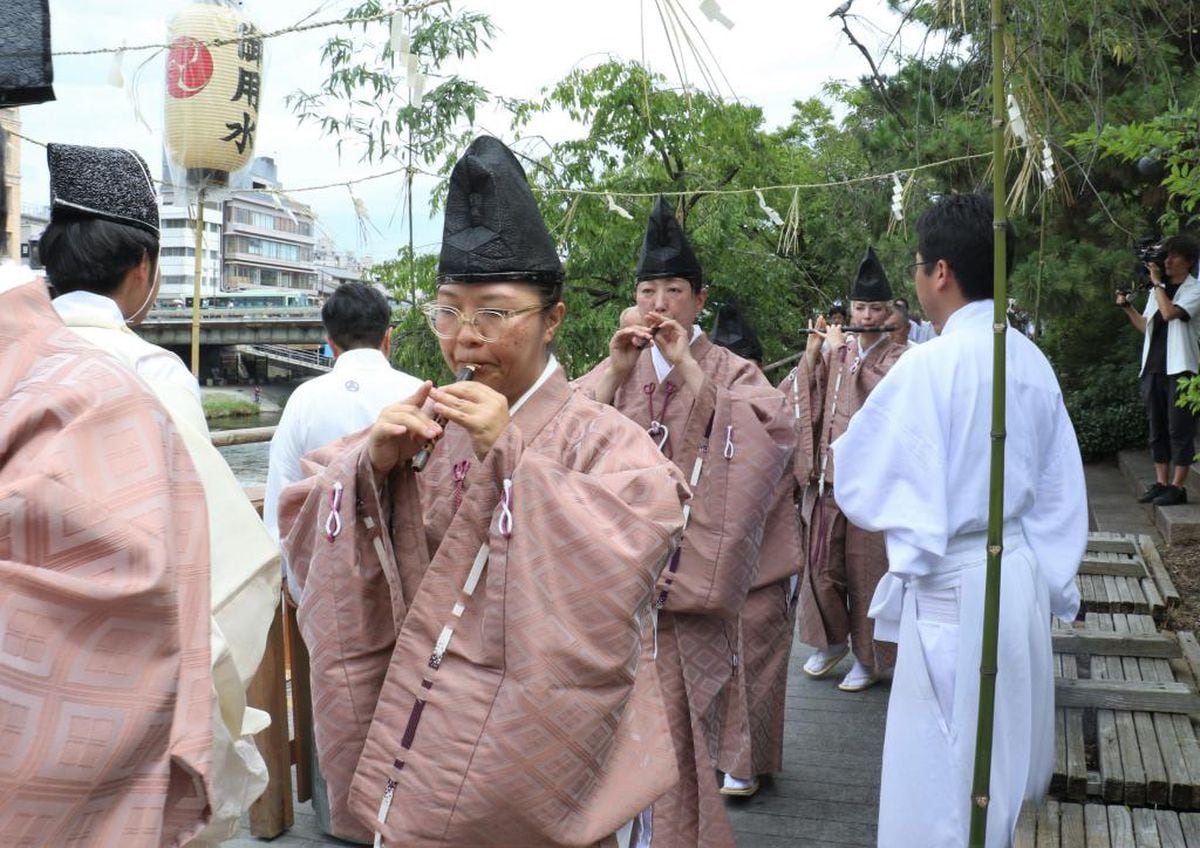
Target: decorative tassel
[789,236]
[364,218]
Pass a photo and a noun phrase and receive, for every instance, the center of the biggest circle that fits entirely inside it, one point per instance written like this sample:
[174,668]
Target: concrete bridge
[281,326]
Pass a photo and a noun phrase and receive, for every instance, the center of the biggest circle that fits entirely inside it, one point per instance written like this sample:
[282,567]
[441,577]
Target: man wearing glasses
[730,431]
[926,429]
[480,623]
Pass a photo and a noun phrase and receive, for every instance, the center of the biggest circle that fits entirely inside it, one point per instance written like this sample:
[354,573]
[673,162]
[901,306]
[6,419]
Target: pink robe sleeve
[350,605]
[750,440]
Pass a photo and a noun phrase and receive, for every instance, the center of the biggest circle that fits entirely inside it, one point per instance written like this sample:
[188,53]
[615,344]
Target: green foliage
[367,99]
[1189,394]
[1170,141]
[1104,83]
[1097,354]
[227,405]
[1107,412]
[639,136]
[415,349]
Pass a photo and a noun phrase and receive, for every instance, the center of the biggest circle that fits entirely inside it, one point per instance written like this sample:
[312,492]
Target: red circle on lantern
[189,67]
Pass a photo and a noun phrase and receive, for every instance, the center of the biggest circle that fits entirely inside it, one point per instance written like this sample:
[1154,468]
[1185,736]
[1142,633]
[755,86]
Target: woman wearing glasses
[482,632]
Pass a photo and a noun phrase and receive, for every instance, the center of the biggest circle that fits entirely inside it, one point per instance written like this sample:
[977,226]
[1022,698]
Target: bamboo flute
[980,787]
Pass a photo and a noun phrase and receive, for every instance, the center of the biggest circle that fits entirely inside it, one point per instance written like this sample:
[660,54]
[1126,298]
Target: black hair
[1185,245]
[92,254]
[958,229]
[356,316]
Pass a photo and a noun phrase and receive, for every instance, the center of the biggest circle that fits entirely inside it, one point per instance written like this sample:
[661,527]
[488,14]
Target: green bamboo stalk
[980,788]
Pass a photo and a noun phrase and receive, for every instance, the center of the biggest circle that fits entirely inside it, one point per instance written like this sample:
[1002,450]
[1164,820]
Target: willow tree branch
[876,77]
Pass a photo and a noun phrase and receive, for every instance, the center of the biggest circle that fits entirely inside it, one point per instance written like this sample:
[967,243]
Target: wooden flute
[419,461]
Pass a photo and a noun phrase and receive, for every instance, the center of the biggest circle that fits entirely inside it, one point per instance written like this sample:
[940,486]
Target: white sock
[732,782]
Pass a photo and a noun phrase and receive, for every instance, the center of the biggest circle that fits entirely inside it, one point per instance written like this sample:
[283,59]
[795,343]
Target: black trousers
[1172,428]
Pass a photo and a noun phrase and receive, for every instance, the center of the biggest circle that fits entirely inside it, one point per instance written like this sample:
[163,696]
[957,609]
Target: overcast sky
[778,51]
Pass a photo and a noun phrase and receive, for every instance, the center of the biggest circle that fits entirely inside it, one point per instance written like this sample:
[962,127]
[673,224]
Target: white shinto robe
[917,468]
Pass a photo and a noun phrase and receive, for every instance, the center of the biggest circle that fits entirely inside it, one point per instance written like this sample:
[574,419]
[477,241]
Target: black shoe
[1174,496]
[1155,491]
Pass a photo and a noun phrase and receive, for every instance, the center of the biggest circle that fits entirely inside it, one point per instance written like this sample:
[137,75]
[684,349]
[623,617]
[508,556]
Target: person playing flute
[844,562]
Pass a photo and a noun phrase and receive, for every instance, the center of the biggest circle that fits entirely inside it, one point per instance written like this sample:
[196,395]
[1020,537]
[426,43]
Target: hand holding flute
[477,408]
[404,430]
[465,374]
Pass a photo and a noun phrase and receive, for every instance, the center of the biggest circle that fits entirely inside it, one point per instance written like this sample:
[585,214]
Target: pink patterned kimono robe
[481,633]
[105,711]
[767,622]
[739,424]
[845,562]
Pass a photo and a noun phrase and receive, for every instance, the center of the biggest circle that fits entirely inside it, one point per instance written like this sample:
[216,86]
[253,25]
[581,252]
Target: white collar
[661,367]
[88,306]
[969,313]
[863,351]
[362,359]
[550,368]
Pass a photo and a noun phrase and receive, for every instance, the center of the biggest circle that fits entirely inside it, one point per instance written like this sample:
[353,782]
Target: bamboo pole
[199,269]
[980,788]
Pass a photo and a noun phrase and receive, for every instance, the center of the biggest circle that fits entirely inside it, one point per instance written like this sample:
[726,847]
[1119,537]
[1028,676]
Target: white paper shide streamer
[616,208]
[773,216]
[897,198]
[1047,164]
[711,9]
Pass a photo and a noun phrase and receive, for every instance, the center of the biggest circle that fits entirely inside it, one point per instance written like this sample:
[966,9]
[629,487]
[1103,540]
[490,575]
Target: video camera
[1148,251]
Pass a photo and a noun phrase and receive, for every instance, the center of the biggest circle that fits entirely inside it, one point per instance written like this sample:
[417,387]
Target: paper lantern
[214,80]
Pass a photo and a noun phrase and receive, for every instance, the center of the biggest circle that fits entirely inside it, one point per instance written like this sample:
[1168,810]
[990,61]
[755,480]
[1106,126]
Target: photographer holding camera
[1169,354]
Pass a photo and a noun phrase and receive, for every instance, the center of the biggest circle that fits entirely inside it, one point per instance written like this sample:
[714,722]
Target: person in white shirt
[1169,356]
[356,318]
[913,463]
[918,331]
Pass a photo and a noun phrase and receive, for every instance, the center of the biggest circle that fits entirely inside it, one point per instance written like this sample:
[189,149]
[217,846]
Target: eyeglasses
[488,324]
[924,263]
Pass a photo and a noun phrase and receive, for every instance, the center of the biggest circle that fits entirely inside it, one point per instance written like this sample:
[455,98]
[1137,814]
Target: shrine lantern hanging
[214,78]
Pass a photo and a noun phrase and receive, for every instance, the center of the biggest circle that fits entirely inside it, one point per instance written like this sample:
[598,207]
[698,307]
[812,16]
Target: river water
[249,462]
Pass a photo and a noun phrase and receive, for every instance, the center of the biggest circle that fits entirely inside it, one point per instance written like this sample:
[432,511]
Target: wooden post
[199,268]
[298,668]
[271,814]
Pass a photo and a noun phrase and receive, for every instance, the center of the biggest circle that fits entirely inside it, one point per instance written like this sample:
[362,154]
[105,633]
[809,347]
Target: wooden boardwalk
[825,797]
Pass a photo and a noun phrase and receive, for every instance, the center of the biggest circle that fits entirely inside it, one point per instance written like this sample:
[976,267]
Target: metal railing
[290,354]
[237,313]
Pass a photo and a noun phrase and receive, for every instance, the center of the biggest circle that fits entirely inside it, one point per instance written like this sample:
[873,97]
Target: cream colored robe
[245,589]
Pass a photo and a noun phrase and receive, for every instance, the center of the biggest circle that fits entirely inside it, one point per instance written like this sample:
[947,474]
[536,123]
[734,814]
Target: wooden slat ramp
[1127,769]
